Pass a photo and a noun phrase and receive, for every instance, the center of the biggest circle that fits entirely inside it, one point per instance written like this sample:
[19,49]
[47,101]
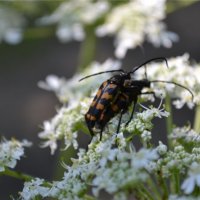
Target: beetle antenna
[148,61]
[119,70]
[171,82]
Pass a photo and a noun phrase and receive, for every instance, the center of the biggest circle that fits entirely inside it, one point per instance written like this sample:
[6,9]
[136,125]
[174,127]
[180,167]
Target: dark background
[24,106]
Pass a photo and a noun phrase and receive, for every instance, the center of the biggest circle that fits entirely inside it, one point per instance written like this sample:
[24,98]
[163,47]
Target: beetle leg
[90,125]
[120,119]
[133,110]
[101,134]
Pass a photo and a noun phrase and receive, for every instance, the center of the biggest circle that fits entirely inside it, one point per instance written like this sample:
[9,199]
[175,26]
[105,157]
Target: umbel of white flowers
[130,22]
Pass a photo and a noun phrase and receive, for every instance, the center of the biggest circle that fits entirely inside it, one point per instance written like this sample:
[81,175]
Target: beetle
[116,95]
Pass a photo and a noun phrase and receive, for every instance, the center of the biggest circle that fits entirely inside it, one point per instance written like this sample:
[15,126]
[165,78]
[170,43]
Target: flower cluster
[33,188]
[103,167]
[72,16]
[106,165]
[176,159]
[185,135]
[10,152]
[112,164]
[141,124]
[180,71]
[135,21]
[181,162]
[143,120]
[132,22]
[193,178]
[63,126]
[11,25]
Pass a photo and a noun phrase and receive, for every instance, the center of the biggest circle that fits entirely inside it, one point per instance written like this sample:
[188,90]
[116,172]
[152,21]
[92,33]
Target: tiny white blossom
[62,126]
[11,151]
[146,136]
[161,148]
[142,121]
[33,189]
[52,83]
[192,180]
[143,157]
[186,134]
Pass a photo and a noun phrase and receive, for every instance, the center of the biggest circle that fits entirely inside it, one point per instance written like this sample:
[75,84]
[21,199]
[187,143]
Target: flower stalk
[197,119]
[169,119]
[162,183]
[176,181]
[88,48]
[17,175]
[144,193]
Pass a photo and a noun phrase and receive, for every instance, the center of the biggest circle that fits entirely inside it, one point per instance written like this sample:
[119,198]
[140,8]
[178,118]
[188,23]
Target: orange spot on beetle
[100,106]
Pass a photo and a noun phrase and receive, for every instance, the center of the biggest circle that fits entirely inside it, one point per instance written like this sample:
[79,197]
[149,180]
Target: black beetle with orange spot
[115,95]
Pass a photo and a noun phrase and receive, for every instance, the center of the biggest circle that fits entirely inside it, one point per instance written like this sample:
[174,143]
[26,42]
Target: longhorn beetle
[115,95]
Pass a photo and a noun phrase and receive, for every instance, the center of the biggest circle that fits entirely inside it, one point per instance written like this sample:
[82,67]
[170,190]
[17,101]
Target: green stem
[145,193]
[154,188]
[63,157]
[197,119]
[176,183]
[163,185]
[169,119]
[88,48]
[17,175]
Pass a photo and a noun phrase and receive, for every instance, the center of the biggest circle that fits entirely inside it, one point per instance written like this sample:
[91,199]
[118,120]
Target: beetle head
[122,78]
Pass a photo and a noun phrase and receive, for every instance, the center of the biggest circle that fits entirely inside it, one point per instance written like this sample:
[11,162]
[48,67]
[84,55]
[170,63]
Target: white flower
[143,157]
[161,148]
[52,83]
[70,187]
[146,136]
[11,25]
[73,16]
[117,176]
[158,36]
[133,22]
[142,121]
[11,151]
[186,134]
[62,126]
[192,180]
[33,189]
